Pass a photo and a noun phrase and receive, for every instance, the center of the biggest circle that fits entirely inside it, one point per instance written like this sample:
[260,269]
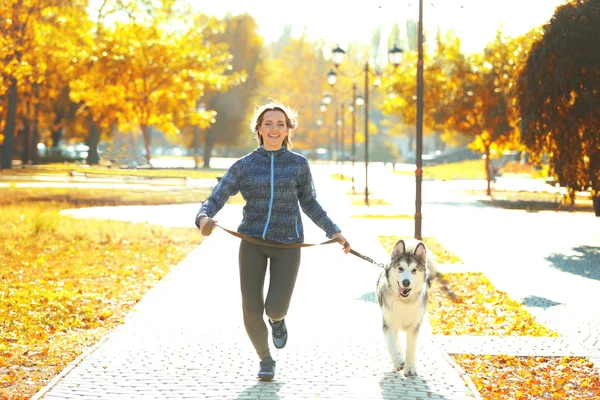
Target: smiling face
[273,129]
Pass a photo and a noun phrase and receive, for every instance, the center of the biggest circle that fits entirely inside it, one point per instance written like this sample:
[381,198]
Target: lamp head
[337,56]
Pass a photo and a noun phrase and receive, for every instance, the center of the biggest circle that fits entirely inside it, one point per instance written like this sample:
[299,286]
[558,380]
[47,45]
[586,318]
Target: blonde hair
[291,121]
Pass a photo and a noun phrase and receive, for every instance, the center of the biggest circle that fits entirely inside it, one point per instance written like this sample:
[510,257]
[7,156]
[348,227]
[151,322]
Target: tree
[38,37]
[144,74]
[300,62]
[444,73]
[16,18]
[234,106]
[559,94]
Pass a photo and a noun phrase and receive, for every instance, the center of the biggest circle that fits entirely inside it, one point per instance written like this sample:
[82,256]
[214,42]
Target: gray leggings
[283,270]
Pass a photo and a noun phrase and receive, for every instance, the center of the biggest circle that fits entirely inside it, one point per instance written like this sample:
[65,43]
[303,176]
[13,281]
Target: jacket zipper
[272,192]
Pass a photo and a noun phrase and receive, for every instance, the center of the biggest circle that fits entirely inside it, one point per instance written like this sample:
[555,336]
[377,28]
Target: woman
[275,182]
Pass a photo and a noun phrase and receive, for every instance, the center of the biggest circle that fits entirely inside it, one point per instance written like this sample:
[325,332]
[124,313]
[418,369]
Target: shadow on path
[392,382]
[260,390]
[585,262]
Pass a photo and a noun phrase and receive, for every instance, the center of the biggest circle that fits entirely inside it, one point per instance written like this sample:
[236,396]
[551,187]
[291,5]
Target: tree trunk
[26,142]
[35,152]
[9,128]
[146,135]
[596,202]
[93,139]
[488,171]
[208,145]
[196,146]
[56,135]
[35,133]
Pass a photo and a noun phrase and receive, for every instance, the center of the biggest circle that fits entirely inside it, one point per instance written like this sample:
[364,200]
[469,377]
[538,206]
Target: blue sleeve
[307,196]
[228,186]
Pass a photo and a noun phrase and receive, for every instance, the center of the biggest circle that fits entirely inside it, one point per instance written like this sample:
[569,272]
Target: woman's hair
[291,121]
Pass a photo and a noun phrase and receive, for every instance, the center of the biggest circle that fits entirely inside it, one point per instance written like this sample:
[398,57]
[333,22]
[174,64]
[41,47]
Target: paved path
[186,339]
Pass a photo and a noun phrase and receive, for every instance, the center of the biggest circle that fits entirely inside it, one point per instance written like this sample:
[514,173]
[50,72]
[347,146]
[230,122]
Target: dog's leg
[411,351]
[391,340]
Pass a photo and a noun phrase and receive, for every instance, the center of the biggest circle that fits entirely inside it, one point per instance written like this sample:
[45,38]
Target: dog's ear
[399,248]
[421,252]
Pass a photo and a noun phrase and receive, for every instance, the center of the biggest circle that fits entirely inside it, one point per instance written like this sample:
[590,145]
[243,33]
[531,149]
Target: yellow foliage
[66,282]
[525,378]
[468,304]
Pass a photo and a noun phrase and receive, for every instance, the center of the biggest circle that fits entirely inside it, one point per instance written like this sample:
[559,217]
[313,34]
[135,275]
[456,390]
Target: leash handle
[208,228]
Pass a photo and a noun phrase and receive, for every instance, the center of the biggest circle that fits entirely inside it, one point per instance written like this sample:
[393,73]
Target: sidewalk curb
[464,376]
[69,367]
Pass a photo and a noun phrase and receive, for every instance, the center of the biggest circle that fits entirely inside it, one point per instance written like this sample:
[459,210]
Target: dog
[402,292]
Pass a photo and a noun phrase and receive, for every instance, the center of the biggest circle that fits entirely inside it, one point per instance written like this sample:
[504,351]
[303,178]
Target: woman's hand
[340,238]
[207,226]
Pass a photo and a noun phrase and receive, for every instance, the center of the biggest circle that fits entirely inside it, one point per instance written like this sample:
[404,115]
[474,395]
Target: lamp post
[419,158]
[359,101]
[352,109]
[367,133]
[341,126]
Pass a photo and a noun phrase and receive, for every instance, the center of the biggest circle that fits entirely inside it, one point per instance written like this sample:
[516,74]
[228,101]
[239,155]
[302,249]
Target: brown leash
[210,224]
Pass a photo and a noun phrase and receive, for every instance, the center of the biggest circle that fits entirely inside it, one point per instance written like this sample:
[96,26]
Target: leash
[208,228]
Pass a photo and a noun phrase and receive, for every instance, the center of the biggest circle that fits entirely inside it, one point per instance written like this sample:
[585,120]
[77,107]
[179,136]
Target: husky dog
[402,290]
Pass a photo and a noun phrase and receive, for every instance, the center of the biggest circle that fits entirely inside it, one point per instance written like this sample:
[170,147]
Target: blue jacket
[275,184]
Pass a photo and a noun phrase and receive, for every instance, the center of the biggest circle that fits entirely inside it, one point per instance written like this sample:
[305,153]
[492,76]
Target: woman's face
[273,129]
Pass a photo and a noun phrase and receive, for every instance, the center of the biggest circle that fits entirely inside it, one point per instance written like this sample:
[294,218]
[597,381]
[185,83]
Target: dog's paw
[398,366]
[409,370]
[398,361]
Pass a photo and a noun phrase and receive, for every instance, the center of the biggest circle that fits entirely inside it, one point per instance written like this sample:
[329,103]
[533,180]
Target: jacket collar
[261,150]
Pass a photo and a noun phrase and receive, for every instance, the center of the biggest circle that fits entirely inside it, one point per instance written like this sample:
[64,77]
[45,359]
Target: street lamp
[337,56]
[331,77]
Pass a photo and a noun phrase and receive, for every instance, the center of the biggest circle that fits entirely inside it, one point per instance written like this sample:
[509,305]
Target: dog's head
[410,268]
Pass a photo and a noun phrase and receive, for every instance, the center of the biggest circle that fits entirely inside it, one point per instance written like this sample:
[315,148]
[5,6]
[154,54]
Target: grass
[80,197]
[341,177]
[358,199]
[66,170]
[475,169]
[471,169]
[66,282]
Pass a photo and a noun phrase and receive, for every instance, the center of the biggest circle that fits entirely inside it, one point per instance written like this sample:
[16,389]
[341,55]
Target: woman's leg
[283,271]
[253,267]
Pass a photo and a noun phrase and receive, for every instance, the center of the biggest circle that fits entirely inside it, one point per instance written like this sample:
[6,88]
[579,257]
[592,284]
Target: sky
[342,22]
